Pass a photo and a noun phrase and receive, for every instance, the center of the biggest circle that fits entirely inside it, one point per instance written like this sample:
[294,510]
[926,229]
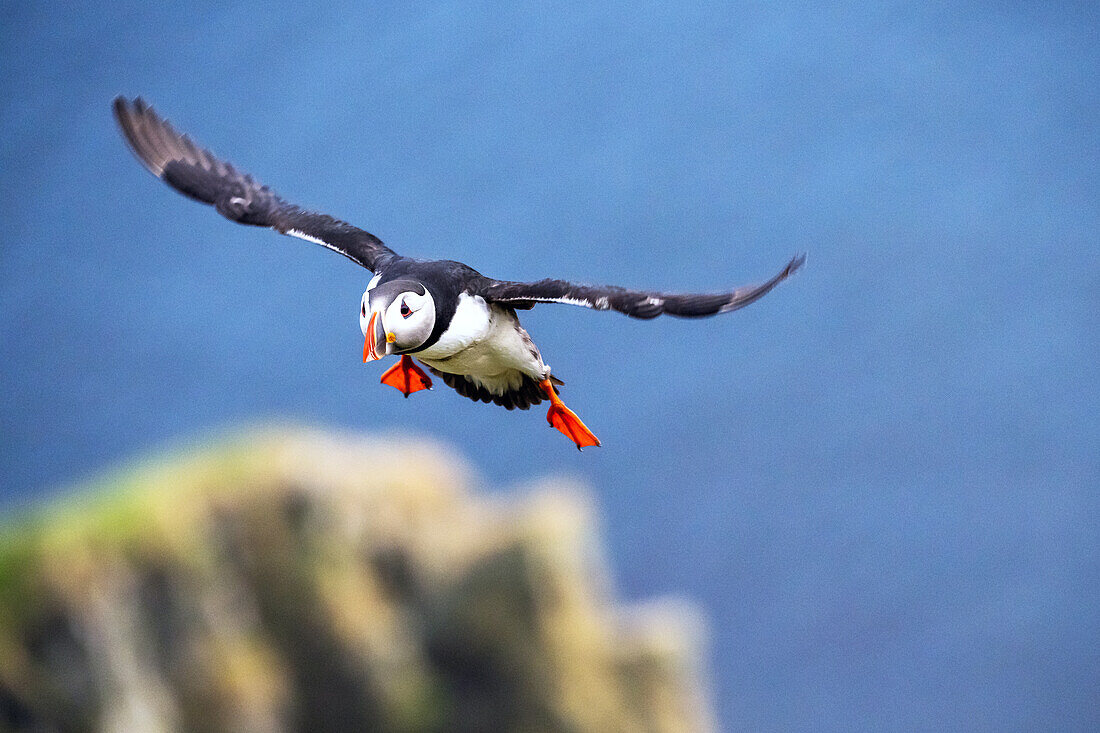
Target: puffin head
[395,317]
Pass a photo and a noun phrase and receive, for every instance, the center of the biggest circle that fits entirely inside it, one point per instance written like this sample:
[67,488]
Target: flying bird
[459,323]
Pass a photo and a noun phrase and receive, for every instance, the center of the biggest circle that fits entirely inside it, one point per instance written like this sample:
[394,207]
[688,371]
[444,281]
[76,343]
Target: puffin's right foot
[406,377]
[565,420]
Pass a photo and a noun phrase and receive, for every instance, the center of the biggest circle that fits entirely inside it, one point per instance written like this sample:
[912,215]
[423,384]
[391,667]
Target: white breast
[485,342]
[471,323]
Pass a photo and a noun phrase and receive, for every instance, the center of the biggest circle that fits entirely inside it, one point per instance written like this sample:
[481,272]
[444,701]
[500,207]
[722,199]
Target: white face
[406,321]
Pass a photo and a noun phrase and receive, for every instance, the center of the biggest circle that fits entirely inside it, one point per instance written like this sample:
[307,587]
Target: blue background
[881,482]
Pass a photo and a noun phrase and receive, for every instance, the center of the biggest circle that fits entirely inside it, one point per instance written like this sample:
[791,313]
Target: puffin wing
[634,303]
[197,174]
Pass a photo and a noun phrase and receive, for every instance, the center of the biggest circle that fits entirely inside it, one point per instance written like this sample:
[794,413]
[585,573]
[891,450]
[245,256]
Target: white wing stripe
[310,238]
[601,302]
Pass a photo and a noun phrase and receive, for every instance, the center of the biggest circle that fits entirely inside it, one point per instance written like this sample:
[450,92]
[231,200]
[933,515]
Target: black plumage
[528,394]
[634,303]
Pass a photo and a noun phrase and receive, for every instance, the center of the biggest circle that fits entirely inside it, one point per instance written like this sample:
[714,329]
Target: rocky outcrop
[306,581]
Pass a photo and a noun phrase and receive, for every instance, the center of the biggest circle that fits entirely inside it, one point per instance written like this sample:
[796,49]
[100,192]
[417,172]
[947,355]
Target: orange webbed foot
[565,420]
[406,377]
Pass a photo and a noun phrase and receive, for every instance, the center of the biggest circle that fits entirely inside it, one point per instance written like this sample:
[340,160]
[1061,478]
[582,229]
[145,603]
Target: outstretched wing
[635,303]
[196,173]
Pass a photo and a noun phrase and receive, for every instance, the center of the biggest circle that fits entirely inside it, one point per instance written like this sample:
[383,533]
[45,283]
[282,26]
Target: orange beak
[370,348]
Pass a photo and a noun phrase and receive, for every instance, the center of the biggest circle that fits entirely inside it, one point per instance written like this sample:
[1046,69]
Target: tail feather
[528,394]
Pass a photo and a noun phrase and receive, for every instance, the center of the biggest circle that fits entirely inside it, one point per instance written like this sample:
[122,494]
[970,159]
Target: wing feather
[198,174]
[634,303]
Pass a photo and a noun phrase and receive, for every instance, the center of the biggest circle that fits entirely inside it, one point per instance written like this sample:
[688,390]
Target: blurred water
[880,482]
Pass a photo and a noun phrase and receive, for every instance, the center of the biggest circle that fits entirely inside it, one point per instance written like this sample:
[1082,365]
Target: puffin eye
[405,310]
[363,311]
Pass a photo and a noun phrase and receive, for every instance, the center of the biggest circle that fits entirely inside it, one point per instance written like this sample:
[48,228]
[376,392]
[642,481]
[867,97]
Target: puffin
[462,325]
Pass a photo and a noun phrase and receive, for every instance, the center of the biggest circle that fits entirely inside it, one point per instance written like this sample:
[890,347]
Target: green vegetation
[296,580]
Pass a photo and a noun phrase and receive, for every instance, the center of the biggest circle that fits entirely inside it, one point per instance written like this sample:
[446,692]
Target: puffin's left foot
[406,377]
[565,420]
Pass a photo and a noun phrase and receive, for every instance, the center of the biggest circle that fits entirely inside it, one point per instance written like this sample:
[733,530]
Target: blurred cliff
[295,580]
